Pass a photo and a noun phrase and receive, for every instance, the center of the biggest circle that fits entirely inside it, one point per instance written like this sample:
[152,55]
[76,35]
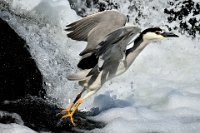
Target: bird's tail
[94,71]
[79,76]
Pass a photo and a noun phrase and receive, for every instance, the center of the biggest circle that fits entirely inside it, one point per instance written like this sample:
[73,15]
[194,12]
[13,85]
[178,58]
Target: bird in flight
[106,54]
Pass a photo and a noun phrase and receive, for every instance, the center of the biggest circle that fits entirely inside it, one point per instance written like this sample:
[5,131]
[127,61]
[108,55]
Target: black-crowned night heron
[106,55]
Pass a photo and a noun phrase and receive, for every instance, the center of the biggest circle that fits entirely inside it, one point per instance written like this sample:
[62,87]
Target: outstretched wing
[94,28]
[80,29]
[113,48]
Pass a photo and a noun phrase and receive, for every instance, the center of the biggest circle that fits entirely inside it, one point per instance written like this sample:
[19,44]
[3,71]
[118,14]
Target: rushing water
[159,93]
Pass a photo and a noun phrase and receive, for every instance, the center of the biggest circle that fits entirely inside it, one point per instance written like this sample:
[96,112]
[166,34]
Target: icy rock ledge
[22,95]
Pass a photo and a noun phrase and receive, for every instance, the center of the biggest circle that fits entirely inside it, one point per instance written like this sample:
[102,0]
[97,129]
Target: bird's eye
[158,32]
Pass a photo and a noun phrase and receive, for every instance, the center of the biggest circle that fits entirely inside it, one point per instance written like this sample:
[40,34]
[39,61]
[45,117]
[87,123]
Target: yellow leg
[70,115]
[79,102]
[67,111]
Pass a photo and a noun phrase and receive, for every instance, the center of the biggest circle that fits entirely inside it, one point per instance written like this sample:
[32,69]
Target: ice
[159,93]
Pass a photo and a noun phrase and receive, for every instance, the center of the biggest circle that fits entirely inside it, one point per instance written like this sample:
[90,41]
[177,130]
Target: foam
[159,93]
[15,128]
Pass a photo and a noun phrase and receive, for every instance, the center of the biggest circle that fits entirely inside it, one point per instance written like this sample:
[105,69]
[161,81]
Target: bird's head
[156,34]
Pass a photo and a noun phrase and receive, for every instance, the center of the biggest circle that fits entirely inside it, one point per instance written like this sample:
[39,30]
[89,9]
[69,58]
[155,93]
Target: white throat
[150,36]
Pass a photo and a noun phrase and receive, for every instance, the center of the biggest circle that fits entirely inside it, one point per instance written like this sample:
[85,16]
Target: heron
[107,54]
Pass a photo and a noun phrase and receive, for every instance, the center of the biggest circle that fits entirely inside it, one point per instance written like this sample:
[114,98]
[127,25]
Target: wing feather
[94,28]
[111,39]
[80,30]
[113,49]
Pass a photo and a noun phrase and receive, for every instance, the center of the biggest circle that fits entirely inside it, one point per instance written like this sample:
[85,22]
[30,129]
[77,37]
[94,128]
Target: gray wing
[94,28]
[113,48]
[110,40]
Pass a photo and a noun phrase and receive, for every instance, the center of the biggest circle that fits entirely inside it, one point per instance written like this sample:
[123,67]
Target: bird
[107,54]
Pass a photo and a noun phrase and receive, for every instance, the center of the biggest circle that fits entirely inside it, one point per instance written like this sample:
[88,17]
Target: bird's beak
[168,34]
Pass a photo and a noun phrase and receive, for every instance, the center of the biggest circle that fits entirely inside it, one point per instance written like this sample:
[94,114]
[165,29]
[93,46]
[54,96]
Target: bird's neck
[133,52]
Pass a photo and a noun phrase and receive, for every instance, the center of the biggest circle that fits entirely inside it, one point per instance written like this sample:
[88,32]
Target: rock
[21,90]
[7,118]
[185,12]
[42,115]
[83,8]
[19,75]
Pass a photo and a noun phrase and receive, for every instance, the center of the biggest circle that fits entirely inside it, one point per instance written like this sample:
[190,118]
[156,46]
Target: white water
[159,93]
[15,128]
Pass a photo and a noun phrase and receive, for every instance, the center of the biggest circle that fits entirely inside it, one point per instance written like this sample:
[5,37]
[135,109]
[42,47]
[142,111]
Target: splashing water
[159,93]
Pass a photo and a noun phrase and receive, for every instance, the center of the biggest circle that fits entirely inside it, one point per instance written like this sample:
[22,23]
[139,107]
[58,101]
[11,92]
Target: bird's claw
[68,114]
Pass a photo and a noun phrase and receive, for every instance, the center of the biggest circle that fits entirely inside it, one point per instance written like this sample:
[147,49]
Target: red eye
[157,32]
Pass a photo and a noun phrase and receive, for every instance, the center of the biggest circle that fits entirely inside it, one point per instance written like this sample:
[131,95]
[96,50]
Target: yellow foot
[70,115]
[66,111]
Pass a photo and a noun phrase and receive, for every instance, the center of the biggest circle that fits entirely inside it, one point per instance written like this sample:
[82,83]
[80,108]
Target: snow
[159,93]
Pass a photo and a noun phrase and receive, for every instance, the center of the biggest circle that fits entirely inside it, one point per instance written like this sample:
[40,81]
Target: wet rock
[42,115]
[185,12]
[7,118]
[19,75]
[21,90]
[84,8]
